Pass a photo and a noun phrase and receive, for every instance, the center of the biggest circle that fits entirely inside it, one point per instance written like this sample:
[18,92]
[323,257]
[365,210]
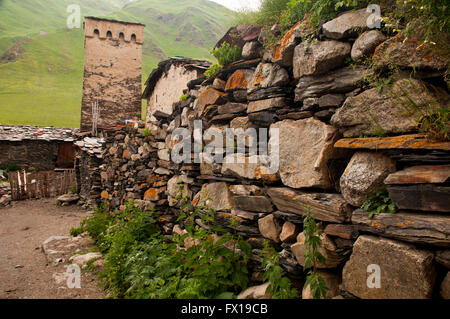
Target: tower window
[133,37]
[109,34]
[96,32]
[121,36]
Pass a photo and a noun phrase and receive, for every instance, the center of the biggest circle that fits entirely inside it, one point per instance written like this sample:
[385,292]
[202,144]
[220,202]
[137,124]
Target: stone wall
[321,106]
[38,155]
[112,71]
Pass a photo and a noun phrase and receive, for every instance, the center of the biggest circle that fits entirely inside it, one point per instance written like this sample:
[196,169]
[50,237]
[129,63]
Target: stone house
[40,148]
[166,83]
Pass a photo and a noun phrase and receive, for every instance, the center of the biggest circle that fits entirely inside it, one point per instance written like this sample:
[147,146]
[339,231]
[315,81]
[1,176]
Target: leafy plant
[146,132]
[142,263]
[280,285]
[183,97]
[313,256]
[225,54]
[379,203]
[213,71]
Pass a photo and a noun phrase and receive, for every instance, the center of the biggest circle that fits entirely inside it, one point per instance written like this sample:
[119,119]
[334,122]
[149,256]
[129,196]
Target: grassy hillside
[41,75]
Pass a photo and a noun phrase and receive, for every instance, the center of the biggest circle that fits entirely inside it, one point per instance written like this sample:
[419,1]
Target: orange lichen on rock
[152,194]
[237,80]
[105,195]
[412,141]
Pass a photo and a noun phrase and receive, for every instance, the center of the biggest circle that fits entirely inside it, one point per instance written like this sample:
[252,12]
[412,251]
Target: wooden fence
[28,185]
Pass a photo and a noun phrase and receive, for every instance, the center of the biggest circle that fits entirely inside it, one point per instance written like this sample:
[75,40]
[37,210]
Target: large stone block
[328,250]
[270,228]
[283,52]
[240,165]
[406,271]
[239,80]
[252,50]
[305,147]
[364,176]
[268,75]
[209,97]
[366,44]
[289,232]
[410,53]
[337,81]
[347,25]
[318,58]
[395,110]
[216,196]
[267,104]
[326,207]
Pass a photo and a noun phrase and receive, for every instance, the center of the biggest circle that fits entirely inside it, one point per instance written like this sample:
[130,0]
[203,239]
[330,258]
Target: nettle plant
[280,286]
[379,203]
[313,256]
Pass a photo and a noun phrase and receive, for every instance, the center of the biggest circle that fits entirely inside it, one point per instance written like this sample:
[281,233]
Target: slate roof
[36,133]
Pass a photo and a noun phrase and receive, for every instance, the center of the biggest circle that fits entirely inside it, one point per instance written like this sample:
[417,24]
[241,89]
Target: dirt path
[24,270]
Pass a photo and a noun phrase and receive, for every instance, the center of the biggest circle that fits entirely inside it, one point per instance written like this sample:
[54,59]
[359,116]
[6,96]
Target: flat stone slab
[411,141]
[424,197]
[434,174]
[326,207]
[406,226]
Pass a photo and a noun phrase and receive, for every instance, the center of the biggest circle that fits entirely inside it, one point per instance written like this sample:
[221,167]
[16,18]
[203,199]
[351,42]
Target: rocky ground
[25,270]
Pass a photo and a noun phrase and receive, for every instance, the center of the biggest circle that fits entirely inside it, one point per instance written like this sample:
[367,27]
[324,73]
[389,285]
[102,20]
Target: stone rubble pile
[321,106]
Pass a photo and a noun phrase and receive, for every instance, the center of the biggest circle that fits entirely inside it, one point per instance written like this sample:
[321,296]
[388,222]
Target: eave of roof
[164,66]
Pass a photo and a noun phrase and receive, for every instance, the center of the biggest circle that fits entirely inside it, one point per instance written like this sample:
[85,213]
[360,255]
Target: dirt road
[24,270]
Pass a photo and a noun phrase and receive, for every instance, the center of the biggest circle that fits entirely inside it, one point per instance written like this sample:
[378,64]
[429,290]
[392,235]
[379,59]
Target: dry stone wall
[321,106]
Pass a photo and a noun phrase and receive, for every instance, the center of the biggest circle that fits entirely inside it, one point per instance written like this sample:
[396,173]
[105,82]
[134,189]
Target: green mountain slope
[41,73]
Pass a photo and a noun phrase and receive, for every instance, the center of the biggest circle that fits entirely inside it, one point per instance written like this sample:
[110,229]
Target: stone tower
[112,71]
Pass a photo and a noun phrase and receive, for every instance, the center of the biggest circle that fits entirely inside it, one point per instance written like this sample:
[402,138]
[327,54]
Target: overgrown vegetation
[288,12]
[379,203]
[436,124]
[140,262]
[313,256]
[225,54]
[183,97]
